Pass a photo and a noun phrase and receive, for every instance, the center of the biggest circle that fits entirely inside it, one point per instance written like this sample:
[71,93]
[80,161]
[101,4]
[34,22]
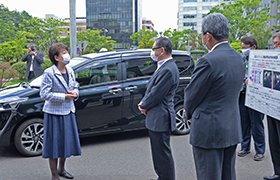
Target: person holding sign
[251,120]
[274,131]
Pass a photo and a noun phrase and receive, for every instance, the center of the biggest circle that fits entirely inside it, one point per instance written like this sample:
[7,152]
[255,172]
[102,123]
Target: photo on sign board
[276,79]
[267,79]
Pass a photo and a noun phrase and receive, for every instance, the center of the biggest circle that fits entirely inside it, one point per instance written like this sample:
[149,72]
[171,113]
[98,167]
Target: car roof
[123,53]
[127,52]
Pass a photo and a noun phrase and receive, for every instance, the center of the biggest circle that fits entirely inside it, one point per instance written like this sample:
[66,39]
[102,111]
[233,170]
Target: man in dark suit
[211,103]
[274,131]
[34,60]
[251,120]
[158,106]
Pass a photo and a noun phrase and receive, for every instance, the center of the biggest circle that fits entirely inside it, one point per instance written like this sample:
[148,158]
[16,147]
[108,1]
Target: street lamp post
[73,36]
[105,31]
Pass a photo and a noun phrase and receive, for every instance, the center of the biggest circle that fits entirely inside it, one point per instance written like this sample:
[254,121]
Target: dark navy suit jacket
[159,98]
[211,99]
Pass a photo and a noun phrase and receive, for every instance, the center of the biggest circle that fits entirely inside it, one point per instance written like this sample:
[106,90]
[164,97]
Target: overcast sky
[163,13]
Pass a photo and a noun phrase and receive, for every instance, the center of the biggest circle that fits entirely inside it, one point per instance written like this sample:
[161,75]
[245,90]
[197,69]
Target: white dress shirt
[160,63]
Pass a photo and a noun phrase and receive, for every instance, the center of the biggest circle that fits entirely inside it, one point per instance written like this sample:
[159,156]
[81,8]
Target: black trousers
[274,142]
[215,164]
[31,76]
[252,125]
[162,156]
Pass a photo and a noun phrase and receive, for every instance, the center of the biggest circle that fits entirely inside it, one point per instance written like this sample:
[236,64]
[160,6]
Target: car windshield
[38,81]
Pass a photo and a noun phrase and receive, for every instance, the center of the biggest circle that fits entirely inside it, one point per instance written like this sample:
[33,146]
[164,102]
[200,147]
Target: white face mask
[246,52]
[153,55]
[205,45]
[66,58]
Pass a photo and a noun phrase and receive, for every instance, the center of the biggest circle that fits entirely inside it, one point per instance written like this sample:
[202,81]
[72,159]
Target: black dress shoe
[243,153]
[66,175]
[258,157]
[274,177]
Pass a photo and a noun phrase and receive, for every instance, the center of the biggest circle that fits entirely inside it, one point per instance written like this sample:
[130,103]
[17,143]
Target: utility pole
[273,11]
[73,36]
[273,22]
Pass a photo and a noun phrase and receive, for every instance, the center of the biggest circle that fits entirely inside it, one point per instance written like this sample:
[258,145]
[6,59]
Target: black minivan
[111,85]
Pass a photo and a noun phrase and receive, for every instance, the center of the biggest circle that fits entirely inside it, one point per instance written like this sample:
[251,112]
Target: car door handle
[84,100]
[114,91]
[131,88]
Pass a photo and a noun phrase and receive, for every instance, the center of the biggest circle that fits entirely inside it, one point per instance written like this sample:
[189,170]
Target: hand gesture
[71,95]
[33,53]
[143,111]
[29,50]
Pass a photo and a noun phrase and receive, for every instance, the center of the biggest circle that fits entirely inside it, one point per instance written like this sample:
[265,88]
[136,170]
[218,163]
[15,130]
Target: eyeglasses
[156,48]
[276,43]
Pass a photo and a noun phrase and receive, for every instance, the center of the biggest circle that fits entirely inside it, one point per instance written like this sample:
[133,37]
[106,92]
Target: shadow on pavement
[113,137]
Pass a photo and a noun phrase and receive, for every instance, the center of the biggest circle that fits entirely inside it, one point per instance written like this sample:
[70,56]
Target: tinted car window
[140,67]
[185,64]
[96,74]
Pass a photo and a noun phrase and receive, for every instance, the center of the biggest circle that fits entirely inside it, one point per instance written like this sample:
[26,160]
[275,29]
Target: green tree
[245,17]
[21,69]
[94,38]
[194,40]
[6,73]
[11,22]
[9,50]
[144,37]
[236,45]
[46,64]
[7,28]
[177,37]
[45,32]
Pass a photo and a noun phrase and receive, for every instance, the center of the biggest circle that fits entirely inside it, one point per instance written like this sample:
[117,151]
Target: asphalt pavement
[124,156]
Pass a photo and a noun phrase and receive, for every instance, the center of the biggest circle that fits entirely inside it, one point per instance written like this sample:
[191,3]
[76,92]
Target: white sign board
[263,89]
[82,45]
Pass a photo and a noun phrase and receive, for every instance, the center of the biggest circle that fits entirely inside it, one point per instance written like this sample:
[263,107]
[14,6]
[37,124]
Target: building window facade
[120,17]
[191,16]
[190,8]
[189,23]
[192,12]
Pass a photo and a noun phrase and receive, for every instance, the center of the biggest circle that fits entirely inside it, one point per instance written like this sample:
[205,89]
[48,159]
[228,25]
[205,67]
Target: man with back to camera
[251,120]
[158,106]
[34,60]
[211,103]
[274,130]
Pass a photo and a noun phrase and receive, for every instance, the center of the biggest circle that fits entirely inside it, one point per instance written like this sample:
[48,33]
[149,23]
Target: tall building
[147,24]
[47,16]
[81,25]
[191,13]
[273,21]
[117,18]
[273,11]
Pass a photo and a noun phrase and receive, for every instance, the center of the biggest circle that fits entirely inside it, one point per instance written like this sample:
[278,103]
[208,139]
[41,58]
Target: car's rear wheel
[29,137]
[182,125]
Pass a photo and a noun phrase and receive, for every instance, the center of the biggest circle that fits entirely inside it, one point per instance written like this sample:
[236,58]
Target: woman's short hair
[276,35]
[217,25]
[54,50]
